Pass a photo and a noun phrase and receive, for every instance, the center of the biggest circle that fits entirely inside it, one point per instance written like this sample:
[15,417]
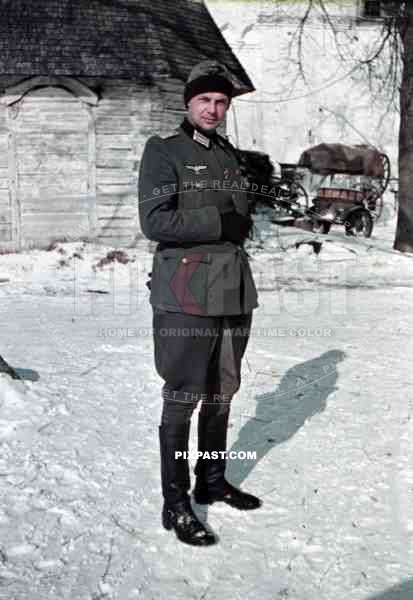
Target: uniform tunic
[186,181]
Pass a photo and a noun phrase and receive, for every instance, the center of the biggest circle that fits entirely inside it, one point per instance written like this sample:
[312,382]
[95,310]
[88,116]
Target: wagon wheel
[359,223]
[384,182]
[373,200]
[374,193]
[297,196]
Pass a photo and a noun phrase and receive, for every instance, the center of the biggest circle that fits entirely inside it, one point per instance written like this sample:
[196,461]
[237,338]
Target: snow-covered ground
[325,402]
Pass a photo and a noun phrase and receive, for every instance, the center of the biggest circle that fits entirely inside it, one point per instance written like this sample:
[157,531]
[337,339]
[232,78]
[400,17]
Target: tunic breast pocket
[192,187]
[200,190]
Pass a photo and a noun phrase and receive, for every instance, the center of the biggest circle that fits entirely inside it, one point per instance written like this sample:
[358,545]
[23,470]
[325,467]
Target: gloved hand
[235,227]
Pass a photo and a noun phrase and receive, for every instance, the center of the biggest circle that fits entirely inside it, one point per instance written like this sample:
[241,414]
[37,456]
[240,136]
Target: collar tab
[198,136]
[201,139]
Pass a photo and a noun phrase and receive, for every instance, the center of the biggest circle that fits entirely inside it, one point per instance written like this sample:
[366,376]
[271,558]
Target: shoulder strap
[170,135]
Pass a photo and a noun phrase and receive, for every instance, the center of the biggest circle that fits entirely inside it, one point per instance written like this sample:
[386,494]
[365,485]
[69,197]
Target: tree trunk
[404,230]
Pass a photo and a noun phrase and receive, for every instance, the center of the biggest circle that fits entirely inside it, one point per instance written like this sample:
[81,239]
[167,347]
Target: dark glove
[235,227]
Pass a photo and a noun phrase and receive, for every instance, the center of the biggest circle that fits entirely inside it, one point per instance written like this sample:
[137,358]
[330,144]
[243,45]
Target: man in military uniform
[193,202]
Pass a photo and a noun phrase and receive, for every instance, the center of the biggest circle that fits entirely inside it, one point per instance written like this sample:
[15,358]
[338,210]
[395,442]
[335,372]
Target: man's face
[208,110]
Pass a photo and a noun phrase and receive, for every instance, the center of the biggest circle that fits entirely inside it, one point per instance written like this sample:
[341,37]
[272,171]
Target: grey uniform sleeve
[161,219]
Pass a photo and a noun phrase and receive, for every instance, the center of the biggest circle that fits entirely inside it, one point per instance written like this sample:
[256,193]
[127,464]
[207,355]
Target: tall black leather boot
[211,485]
[212,437]
[175,477]
[177,513]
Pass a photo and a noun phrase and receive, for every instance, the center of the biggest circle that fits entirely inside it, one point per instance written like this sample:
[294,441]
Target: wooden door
[53,185]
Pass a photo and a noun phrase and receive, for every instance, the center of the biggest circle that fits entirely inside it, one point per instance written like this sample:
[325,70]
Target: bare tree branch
[299,34]
[332,27]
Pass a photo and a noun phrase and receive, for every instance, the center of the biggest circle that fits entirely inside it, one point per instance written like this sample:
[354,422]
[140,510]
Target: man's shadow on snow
[301,394]
[18,372]
[401,591]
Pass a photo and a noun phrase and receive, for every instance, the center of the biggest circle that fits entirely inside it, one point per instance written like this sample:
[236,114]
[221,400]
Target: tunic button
[184,260]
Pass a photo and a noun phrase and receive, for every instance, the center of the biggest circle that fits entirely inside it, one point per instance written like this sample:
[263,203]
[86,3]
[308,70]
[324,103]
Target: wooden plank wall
[167,107]
[126,116]
[6,216]
[70,170]
[122,111]
[51,138]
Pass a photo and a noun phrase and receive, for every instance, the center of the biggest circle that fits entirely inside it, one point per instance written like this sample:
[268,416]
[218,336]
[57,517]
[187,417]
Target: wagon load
[327,159]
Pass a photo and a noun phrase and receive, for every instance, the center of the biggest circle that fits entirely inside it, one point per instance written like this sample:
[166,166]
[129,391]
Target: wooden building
[83,83]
